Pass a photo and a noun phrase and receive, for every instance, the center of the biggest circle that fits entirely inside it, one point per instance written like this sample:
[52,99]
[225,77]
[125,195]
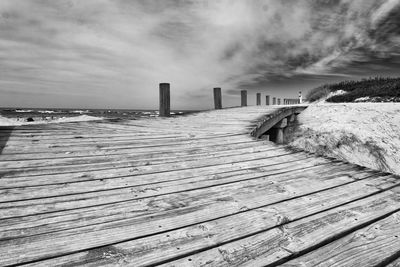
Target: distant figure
[300,98]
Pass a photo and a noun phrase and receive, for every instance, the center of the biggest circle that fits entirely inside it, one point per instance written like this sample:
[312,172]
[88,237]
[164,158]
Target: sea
[37,114]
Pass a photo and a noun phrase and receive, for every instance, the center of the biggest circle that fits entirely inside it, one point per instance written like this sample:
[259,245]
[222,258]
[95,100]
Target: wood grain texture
[368,246]
[394,263]
[195,190]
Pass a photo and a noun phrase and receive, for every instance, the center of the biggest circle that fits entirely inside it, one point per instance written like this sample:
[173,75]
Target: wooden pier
[194,190]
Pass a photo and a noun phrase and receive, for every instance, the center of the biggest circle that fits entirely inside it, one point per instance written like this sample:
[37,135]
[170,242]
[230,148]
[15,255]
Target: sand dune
[362,133]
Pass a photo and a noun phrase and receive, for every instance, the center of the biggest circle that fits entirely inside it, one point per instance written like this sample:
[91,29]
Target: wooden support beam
[164,100]
[281,124]
[217,98]
[279,138]
[258,99]
[243,95]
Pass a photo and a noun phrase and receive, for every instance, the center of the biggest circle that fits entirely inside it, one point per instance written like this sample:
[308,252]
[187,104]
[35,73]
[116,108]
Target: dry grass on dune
[369,90]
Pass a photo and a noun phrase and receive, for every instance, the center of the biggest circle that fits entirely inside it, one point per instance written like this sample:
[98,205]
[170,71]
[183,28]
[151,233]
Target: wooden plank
[260,168]
[96,138]
[274,246]
[193,167]
[126,150]
[38,167]
[95,185]
[162,247]
[61,147]
[394,263]
[131,192]
[50,222]
[370,246]
[164,215]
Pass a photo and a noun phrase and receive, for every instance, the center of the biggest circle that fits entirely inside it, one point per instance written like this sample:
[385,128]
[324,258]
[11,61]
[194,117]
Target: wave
[17,121]
[23,110]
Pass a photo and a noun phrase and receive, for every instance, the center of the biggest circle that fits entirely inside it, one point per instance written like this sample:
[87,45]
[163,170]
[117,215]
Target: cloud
[113,53]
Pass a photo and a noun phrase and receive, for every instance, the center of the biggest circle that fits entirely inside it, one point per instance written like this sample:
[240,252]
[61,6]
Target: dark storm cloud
[117,51]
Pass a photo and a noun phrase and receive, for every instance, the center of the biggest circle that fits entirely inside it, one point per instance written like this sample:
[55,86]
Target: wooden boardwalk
[187,191]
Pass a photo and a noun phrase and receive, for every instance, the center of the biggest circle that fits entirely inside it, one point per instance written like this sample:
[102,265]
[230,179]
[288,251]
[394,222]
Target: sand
[367,134]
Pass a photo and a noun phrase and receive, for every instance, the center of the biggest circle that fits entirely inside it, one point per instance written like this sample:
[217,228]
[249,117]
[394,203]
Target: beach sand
[367,134]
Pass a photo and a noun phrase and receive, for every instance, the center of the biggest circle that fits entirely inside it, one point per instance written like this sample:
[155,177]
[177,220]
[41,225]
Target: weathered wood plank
[280,243]
[369,246]
[65,165]
[185,168]
[164,246]
[190,190]
[394,263]
[61,147]
[248,179]
[225,201]
[126,150]
[97,185]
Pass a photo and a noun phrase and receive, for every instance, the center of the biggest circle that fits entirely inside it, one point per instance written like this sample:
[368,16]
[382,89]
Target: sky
[114,53]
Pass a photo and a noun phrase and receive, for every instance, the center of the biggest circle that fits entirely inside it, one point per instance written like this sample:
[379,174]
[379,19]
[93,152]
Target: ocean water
[23,115]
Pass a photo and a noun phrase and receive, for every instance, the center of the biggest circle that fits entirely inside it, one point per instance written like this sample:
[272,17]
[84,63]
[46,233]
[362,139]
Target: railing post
[243,95]
[267,100]
[217,98]
[164,100]
[258,99]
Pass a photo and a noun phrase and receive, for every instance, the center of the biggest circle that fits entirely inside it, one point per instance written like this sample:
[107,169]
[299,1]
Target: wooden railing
[291,101]
[278,125]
